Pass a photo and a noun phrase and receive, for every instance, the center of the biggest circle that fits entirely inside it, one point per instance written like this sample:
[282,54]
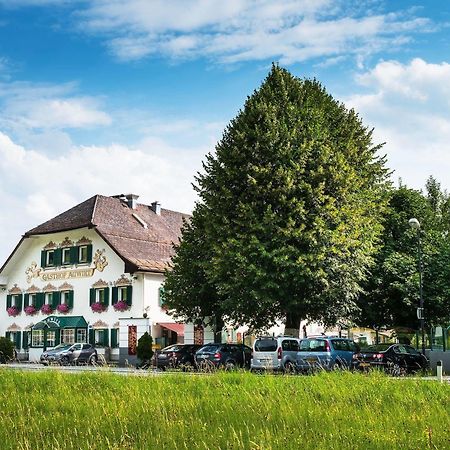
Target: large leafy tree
[289,212]
[391,293]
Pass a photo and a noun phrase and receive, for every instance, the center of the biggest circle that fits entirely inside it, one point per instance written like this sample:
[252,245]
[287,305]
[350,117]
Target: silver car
[65,354]
[275,353]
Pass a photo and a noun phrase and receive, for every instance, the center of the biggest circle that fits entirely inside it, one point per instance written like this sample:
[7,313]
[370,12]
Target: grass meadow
[56,410]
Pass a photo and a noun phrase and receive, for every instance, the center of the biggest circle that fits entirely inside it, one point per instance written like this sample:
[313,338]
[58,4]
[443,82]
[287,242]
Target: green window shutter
[8,301]
[70,300]
[115,295]
[74,255]
[26,300]
[161,296]
[43,258]
[25,339]
[18,339]
[40,298]
[56,299]
[106,298]
[114,336]
[105,337]
[8,335]
[129,295]
[20,302]
[92,337]
[57,257]
[91,296]
[57,337]
[89,253]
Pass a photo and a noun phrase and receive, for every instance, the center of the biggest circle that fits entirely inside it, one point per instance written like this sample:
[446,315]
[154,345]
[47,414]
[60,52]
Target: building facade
[92,274]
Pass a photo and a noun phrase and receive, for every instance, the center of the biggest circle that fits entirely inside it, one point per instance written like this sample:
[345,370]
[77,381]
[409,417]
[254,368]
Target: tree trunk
[218,327]
[292,326]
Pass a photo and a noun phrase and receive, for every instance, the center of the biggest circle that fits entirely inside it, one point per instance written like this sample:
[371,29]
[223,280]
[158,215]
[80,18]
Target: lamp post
[415,225]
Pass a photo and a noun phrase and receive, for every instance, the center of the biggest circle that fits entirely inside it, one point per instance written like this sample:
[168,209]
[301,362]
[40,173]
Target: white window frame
[37,338]
[65,251]
[51,338]
[99,293]
[68,335]
[48,298]
[14,300]
[65,297]
[83,249]
[122,293]
[47,258]
[32,299]
[82,335]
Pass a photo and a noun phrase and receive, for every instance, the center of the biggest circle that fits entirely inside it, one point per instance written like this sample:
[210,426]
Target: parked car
[397,359]
[177,355]
[65,354]
[228,356]
[275,353]
[327,353]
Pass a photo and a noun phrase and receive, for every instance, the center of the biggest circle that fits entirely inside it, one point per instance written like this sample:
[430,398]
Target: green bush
[6,350]
[144,348]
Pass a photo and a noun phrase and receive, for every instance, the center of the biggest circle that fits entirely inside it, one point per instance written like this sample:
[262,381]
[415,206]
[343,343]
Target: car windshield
[62,347]
[266,345]
[209,349]
[377,348]
[172,348]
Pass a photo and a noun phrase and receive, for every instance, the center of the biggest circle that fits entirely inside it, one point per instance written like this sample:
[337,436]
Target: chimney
[131,200]
[156,208]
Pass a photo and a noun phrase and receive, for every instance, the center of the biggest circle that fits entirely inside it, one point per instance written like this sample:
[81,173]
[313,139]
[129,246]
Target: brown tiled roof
[142,238]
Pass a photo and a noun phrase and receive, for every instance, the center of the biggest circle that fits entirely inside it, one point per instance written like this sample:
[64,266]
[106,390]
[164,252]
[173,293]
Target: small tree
[6,350]
[144,348]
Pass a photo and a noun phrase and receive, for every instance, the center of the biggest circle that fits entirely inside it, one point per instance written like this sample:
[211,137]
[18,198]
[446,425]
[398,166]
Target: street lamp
[415,225]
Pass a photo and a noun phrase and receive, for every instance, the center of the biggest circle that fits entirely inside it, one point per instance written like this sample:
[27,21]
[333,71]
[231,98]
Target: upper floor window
[83,254]
[50,258]
[66,256]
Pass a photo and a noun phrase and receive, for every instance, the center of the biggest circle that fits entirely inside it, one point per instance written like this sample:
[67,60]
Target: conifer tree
[289,212]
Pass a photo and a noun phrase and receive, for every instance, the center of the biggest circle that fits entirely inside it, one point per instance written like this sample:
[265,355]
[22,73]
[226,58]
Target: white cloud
[241,30]
[31,106]
[409,106]
[36,186]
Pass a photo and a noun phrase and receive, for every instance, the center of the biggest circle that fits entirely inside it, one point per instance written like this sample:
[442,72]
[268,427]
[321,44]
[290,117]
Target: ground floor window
[101,338]
[37,338]
[81,335]
[68,336]
[114,337]
[51,338]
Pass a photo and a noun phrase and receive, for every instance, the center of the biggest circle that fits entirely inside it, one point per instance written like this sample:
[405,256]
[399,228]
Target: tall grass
[54,410]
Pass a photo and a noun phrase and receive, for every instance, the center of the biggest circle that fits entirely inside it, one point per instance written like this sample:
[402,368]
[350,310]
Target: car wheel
[230,365]
[64,361]
[395,369]
[187,366]
[289,368]
[93,360]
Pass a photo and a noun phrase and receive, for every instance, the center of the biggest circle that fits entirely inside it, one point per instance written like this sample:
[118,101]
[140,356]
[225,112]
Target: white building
[92,274]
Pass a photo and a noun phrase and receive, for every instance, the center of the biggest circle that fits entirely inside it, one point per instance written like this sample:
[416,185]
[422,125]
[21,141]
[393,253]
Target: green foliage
[60,411]
[144,347]
[391,294]
[289,212]
[6,350]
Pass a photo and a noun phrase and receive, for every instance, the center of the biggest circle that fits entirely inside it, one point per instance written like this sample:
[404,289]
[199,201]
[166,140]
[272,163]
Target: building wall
[145,296]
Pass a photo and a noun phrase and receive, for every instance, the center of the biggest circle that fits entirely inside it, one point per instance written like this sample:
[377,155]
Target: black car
[177,355]
[65,354]
[228,356]
[397,359]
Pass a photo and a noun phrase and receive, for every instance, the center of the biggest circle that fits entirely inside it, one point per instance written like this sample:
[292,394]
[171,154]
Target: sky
[128,96]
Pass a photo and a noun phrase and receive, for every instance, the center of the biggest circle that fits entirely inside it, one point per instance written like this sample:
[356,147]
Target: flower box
[98,307]
[13,311]
[63,308]
[46,309]
[121,306]
[30,310]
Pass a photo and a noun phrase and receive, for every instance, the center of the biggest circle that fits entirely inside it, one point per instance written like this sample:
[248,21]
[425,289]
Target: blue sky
[117,96]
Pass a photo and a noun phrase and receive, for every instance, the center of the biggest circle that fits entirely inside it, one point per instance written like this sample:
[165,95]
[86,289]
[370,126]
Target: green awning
[61,322]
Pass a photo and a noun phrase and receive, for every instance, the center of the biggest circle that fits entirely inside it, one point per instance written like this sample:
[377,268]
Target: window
[48,298]
[100,297]
[67,336]
[66,256]
[114,337]
[81,335]
[266,345]
[83,254]
[101,338]
[51,338]
[37,338]
[123,293]
[65,296]
[15,301]
[50,258]
[32,299]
